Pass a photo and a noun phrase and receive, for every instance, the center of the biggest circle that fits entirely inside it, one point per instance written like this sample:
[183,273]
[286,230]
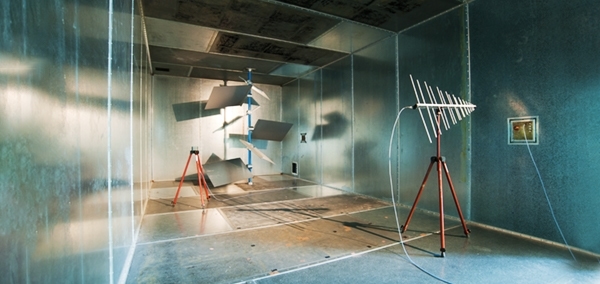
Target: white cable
[546,194]
[394,201]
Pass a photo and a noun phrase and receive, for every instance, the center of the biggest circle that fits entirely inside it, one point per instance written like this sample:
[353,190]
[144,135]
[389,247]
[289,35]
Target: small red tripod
[440,160]
[201,180]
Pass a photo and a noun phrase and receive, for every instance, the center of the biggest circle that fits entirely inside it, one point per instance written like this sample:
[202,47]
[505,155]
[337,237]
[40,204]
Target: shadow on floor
[306,233]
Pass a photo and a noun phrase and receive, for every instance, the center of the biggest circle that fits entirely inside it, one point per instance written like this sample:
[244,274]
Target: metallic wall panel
[336,125]
[290,112]
[434,52]
[215,135]
[348,109]
[66,171]
[309,116]
[375,107]
[141,126]
[537,58]
[173,139]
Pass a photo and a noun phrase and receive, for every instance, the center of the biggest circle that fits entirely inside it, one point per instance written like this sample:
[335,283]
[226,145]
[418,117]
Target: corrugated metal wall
[73,109]
[537,58]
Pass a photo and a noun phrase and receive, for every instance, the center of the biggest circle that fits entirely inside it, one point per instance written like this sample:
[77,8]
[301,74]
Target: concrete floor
[286,230]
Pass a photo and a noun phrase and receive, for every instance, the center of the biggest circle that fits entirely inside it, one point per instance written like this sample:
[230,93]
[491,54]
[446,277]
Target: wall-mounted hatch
[523,130]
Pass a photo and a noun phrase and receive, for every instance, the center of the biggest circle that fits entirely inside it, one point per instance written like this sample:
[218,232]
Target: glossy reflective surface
[261,236]
[84,129]
[375,106]
[181,122]
[540,61]
[347,111]
[72,116]
[434,52]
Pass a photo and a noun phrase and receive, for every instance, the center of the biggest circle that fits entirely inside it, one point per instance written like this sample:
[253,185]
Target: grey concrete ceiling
[280,40]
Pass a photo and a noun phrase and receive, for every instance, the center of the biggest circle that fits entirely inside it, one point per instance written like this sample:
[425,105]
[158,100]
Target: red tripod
[201,181]
[440,160]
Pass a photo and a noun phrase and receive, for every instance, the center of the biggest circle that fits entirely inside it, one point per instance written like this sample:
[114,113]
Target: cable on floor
[394,201]
[546,194]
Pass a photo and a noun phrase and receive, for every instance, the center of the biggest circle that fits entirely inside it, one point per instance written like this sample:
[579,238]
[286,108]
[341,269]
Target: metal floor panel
[318,191]
[255,197]
[487,256]
[277,177]
[260,215]
[314,234]
[273,183]
[169,192]
[159,206]
[268,188]
[164,205]
[177,225]
[243,254]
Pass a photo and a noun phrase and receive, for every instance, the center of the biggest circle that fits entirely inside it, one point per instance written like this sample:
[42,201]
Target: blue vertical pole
[250,125]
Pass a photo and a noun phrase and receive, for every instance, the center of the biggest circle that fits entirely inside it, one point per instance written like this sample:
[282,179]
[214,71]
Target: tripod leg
[412,210]
[181,181]
[460,214]
[204,183]
[200,181]
[441,205]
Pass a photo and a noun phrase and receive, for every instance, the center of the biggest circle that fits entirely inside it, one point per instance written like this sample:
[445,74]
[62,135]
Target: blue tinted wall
[537,58]
[73,109]
[434,52]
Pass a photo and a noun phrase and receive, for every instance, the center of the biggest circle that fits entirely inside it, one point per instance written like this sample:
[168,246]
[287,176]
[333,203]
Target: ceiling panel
[348,36]
[393,15]
[178,35]
[161,68]
[243,16]
[247,46]
[292,70]
[280,39]
[199,59]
